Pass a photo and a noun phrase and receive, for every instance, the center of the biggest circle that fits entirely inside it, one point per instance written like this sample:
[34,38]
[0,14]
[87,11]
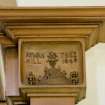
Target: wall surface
[61,2]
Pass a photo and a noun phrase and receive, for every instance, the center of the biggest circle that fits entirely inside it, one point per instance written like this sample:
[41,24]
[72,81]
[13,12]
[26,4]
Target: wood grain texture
[87,24]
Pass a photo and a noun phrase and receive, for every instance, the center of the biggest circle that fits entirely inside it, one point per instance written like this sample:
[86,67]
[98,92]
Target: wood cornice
[53,11]
[45,18]
[88,32]
[54,14]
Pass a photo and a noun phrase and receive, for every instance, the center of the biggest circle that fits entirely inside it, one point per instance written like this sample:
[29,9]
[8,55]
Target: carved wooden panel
[51,63]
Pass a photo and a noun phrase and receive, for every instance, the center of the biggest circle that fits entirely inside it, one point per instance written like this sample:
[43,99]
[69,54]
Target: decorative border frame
[77,90]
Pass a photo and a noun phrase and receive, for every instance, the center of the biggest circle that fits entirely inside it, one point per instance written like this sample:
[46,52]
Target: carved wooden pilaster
[50,44]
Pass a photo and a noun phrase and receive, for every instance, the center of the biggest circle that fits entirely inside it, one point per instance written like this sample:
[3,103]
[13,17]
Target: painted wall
[61,2]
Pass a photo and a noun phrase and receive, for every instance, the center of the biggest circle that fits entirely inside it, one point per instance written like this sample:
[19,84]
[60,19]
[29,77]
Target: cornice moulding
[30,19]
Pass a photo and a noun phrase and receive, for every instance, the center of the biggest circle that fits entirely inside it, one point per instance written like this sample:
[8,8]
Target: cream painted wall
[95,69]
[61,2]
